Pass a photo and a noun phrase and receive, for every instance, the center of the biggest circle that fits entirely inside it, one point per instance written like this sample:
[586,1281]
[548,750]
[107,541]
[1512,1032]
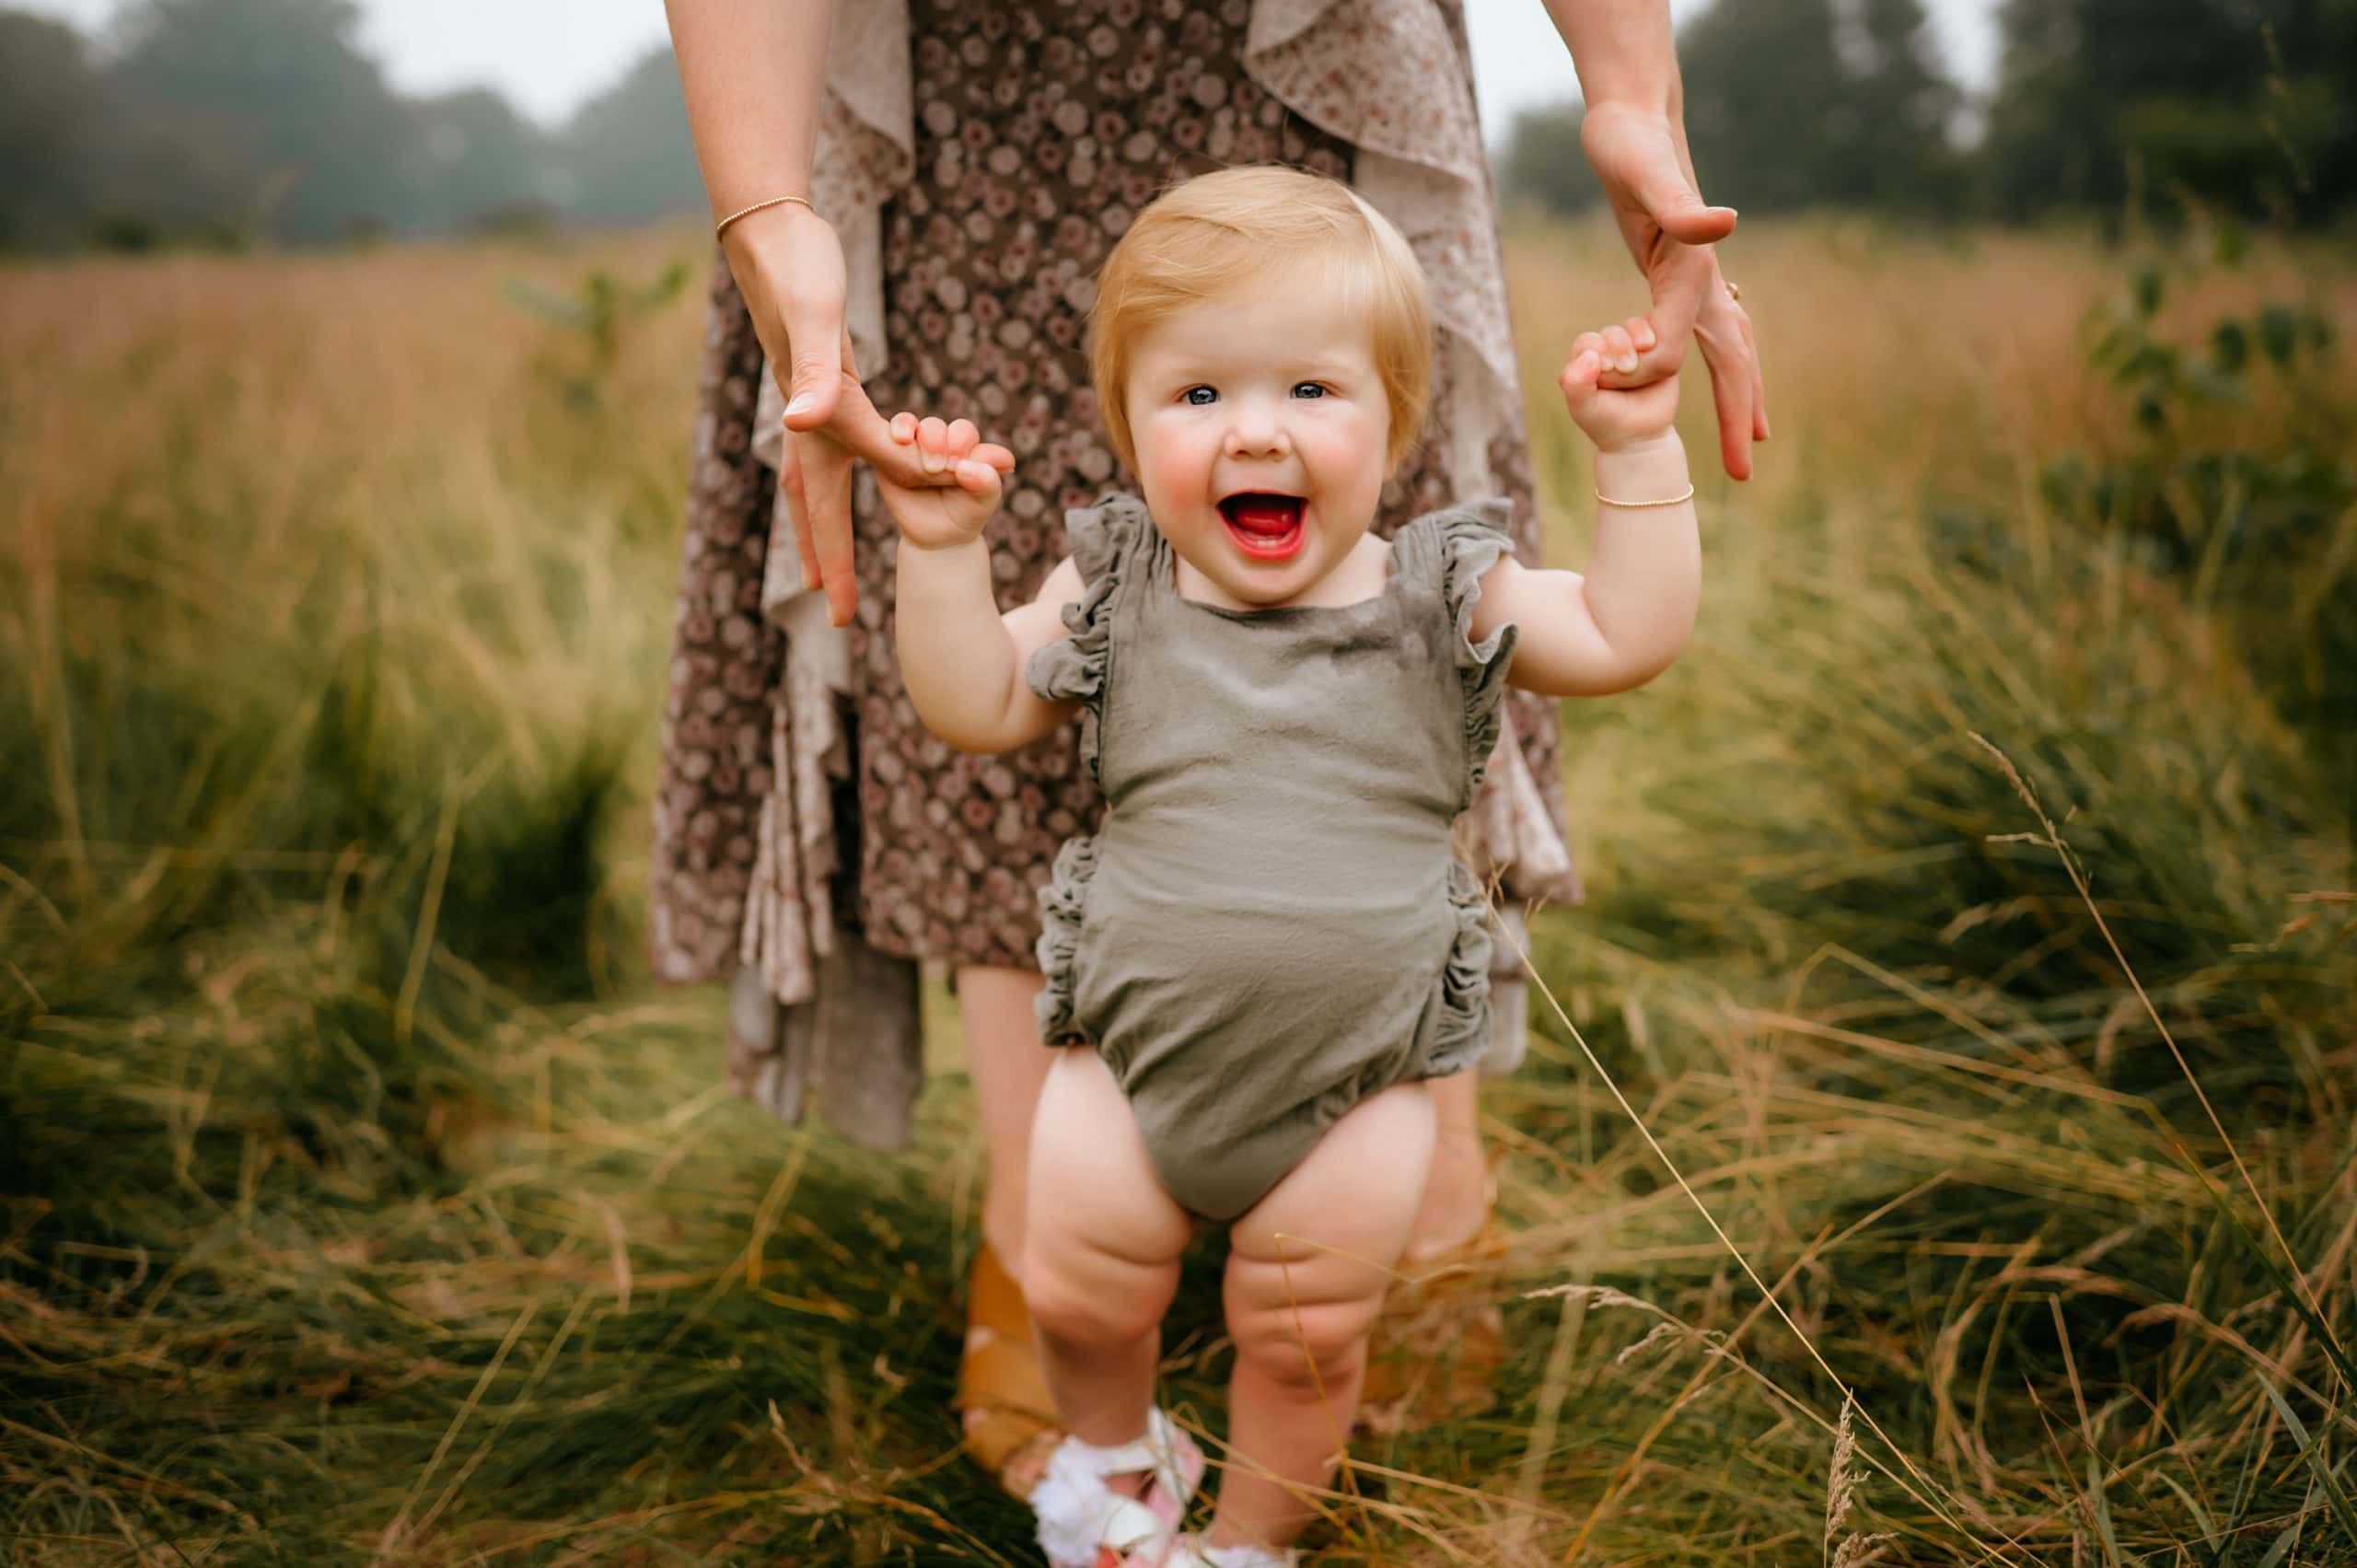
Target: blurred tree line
[2244,107]
[235,121]
[242,120]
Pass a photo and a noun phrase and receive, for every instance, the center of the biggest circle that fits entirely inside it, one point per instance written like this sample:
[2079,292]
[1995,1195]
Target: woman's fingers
[826,493]
[797,508]
[1737,389]
[1735,382]
[860,430]
[1681,278]
[1759,379]
[815,337]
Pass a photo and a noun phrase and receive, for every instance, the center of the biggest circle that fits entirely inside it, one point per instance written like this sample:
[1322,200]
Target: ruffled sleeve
[1103,540]
[1470,539]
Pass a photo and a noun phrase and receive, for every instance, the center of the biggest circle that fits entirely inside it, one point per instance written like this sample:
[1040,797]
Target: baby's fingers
[1620,350]
[978,479]
[903,427]
[963,436]
[1578,379]
[1585,364]
[933,438]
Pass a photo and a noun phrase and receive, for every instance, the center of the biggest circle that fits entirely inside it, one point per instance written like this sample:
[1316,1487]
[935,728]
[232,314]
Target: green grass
[363,1198]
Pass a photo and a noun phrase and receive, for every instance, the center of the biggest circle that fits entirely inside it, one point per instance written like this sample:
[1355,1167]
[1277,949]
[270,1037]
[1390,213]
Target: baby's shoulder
[1104,536]
[1449,549]
[1446,528]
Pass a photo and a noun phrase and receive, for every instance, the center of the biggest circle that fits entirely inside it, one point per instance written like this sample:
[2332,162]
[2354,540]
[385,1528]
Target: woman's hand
[1605,383]
[1667,226]
[931,517]
[788,263]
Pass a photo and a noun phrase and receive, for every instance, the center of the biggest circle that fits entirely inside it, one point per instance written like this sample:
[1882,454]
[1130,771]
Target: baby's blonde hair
[1217,231]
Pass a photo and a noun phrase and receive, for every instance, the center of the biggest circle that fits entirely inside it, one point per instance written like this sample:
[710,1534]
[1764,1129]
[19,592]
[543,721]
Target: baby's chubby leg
[1306,1269]
[1100,1251]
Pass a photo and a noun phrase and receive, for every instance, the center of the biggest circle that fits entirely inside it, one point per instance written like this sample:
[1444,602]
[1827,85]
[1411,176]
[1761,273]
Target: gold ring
[1733,293]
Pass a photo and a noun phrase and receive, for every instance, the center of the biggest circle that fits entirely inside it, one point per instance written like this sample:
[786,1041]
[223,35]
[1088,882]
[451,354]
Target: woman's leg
[1457,1199]
[1008,1065]
[1306,1277]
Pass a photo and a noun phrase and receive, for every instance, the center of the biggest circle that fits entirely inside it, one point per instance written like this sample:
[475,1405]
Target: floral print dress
[803,810]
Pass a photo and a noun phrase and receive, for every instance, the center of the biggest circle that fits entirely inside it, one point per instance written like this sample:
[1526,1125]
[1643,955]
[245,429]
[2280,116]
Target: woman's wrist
[1624,52]
[755,239]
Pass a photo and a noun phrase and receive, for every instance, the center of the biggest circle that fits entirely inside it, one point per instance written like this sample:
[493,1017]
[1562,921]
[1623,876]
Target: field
[1970,934]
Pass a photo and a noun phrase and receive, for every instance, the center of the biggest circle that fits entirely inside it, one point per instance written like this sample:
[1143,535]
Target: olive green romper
[1271,925]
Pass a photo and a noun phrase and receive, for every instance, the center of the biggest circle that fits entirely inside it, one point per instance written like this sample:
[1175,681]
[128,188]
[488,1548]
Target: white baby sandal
[1084,1524]
[1193,1552]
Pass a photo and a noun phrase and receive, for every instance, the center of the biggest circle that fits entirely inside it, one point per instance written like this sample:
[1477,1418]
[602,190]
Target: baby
[1255,964]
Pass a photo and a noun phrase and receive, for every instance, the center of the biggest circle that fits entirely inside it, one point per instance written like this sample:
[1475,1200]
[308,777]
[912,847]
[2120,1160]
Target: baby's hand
[955,510]
[1616,419]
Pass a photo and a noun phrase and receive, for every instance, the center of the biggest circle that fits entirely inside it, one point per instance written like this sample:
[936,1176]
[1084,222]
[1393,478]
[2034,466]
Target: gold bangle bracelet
[720,229]
[1672,501]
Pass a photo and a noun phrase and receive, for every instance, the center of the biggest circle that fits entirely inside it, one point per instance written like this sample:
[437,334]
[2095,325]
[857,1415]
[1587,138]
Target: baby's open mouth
[1264,526]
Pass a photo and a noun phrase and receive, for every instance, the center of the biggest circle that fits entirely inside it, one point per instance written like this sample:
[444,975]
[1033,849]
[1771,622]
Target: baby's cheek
[1352,466]
[1171,471]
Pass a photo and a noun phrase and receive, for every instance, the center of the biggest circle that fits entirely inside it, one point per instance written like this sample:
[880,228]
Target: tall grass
[364,1200]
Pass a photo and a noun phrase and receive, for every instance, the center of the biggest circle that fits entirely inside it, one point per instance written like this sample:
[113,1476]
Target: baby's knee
[1088,1309]
[1307,1347]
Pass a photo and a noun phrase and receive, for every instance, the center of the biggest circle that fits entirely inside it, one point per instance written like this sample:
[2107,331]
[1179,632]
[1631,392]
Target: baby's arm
[962,661]
[1629,617]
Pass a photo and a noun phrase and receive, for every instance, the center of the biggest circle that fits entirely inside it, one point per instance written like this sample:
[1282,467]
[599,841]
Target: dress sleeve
[1103,540]
[1471,538]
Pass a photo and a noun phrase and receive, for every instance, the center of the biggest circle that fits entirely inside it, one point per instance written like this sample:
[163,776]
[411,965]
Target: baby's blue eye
[1207,395]
[1313,390]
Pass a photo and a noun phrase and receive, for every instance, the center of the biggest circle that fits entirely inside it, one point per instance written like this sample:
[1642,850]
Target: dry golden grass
[361,1200]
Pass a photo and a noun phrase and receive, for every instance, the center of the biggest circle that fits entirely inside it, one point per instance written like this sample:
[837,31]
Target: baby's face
[1260,422]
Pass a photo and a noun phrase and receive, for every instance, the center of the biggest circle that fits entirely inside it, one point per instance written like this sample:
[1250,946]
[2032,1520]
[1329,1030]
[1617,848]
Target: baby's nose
[1258,437]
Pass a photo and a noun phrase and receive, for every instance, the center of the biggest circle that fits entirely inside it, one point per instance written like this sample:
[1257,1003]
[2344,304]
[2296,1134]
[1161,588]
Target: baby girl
[1255,964]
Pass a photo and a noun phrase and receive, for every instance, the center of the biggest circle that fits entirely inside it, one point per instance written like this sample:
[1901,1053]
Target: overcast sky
[548,55]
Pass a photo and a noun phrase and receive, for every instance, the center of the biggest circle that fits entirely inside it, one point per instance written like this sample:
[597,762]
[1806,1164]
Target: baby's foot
[1102,1506]
[1197,1551]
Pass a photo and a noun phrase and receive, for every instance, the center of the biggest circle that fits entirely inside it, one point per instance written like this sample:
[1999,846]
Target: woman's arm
[1634,135]
[1626,56]
[1624,49]
[752,71]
